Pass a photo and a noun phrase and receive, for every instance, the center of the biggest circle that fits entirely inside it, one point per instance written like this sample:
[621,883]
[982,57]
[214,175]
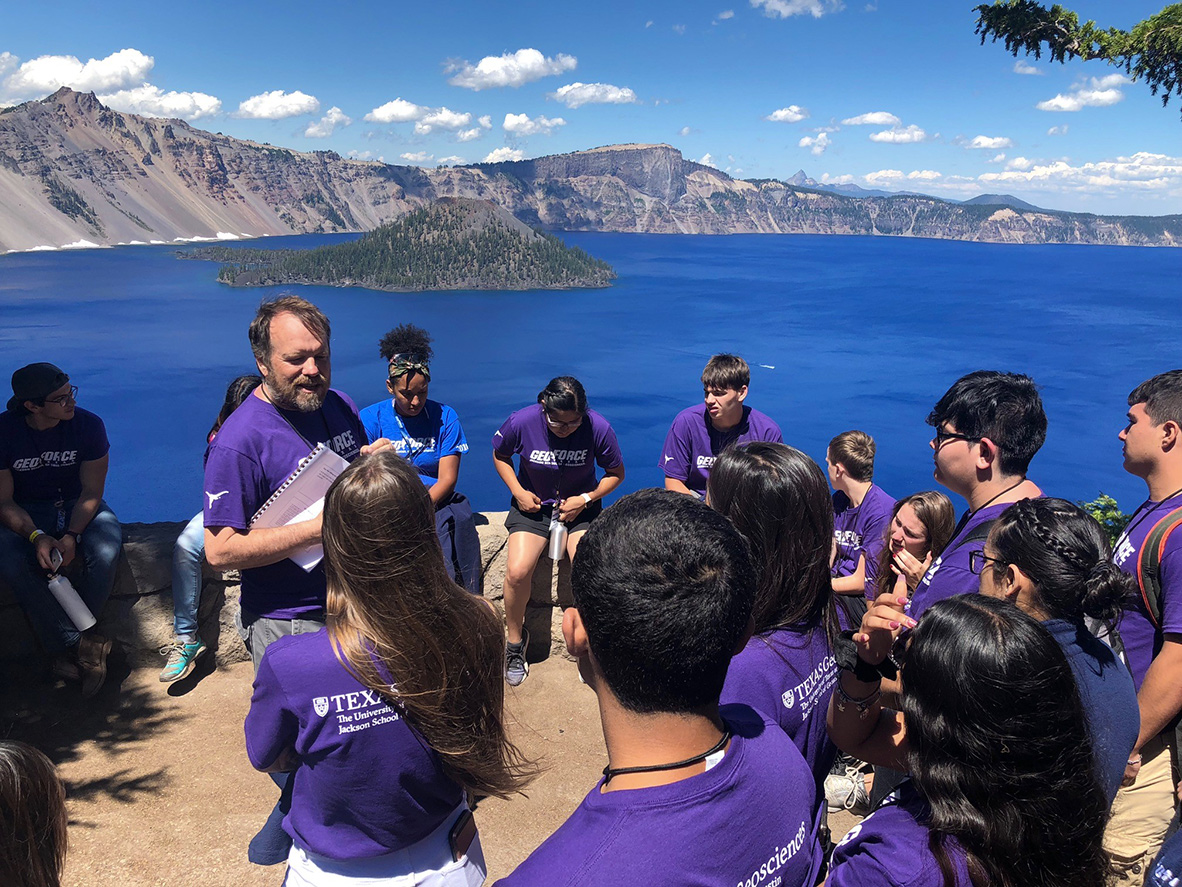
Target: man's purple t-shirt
[789,676]
[255,451]
[889,848]
[860,530]
[45,464]
[748,820]
[367,783]
[554,467]
[692,444]
[949,574]
[1141,640]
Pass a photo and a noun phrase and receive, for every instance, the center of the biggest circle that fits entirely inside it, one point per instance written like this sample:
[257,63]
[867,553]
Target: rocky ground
[160,791]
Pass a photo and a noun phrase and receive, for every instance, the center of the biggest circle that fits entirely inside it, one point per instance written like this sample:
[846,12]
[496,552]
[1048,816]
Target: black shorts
[538,522]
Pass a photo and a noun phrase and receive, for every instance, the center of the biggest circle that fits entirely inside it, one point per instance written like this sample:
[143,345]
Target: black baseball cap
[35,382]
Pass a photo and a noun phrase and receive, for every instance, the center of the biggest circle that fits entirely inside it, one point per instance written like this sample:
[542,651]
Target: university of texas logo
[320,705]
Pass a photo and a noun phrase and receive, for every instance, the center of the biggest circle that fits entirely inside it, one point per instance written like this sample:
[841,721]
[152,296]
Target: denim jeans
[102,542]
[187,555]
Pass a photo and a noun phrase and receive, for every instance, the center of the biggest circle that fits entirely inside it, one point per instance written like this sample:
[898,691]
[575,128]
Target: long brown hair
[407,631]
[936,513]
[32,818]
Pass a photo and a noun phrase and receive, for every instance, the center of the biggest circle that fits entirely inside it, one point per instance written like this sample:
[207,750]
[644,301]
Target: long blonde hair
[407,631]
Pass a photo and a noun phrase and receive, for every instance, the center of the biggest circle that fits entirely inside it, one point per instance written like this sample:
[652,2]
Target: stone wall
[138,615]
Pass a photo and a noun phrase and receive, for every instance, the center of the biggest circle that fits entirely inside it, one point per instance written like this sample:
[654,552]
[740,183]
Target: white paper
[302,500]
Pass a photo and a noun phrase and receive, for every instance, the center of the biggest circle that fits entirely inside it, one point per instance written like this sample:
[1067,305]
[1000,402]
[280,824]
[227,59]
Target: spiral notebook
[301,497]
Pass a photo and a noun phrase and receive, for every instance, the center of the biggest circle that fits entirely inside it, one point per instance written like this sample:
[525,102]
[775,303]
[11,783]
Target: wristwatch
[586,499]
[76,536]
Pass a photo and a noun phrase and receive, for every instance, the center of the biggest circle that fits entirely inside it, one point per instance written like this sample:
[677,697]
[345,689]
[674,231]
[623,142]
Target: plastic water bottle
[557,536]
[74,606]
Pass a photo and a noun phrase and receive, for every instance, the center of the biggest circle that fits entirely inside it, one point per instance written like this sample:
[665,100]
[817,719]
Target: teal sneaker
[182,659]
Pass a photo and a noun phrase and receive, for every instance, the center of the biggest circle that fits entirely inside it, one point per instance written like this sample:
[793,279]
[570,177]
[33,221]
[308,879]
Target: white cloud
[47,73]
[1020,163]
[441,118]
[485,121]
[397,111]
[998,158]
[924,175]
[790,114]
[874,118]
[679,30]
[827,179]
[522,125]
[883,176]
[151,101]
[993,143]
[333,118]
[452,159]
[817,144]
[1098,92]
[649,23]
[277,105]
[900,136]
[469,135]
[684,131]
[1022,67]
[707,160]
[725,14]
[501,155]
[786,8]
[365,155]
[511,69]
[576,94]
[417,157]
[1058,130]
[1142,171]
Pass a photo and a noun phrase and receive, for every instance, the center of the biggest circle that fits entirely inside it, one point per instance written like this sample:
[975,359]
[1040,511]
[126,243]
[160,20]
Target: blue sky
[893,94]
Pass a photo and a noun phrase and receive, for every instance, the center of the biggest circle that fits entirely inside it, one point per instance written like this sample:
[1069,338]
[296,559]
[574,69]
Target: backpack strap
[1149,564]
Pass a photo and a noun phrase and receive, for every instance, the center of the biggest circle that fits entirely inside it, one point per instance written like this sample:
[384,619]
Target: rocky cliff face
[73,170]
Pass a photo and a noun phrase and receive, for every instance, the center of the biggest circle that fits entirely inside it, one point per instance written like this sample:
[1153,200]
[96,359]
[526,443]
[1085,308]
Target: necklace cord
[609,771]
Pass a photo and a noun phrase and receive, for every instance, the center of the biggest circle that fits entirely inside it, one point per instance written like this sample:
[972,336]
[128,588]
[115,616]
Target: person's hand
[43,545]
[569,508]
[527,502]
[910,566]
[68,546]
[1132,768]
[382,443]
[883,623]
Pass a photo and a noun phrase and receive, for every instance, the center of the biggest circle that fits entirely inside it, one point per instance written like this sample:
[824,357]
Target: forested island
[452,244]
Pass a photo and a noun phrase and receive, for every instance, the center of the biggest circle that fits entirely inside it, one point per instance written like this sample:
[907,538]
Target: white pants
[427,863]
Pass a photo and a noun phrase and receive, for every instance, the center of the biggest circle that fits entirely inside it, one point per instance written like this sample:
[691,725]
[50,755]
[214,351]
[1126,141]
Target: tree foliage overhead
[1151,51]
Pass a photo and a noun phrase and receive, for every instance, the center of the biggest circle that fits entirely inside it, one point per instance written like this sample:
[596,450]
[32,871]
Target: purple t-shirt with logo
[1141,640]
[255,451]
[45,464]
[367,783]
[554,467]
[748,820]
[889,848]
[860,530]
[949,574]
[692,444]
[789,676]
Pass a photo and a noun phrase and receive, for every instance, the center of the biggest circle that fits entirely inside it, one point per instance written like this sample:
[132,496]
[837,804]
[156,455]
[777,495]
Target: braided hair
[1066,555]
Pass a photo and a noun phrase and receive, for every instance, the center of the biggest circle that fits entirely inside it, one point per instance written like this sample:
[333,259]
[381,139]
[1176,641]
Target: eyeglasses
[978,559]
[942,437]
[64,399]
[555,424]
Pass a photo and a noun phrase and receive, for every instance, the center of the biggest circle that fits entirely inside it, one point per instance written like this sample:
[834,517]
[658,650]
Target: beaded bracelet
[862,705]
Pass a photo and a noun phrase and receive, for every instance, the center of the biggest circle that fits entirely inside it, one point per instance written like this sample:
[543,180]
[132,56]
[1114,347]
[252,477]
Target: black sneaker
[516,668]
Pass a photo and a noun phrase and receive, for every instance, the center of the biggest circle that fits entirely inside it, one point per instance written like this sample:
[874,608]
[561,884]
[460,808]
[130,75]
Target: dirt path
[160,790]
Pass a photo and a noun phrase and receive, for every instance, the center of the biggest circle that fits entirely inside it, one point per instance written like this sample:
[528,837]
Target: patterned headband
[401,364]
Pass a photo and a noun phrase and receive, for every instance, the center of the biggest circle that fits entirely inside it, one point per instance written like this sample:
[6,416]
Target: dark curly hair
[408,339]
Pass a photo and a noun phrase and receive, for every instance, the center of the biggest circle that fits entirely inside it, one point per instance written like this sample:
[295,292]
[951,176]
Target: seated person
[861,512]
[693,792]
[701,432]
[53,468]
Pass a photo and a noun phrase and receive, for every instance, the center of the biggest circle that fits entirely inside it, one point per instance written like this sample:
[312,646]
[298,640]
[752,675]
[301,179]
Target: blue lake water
[862,333]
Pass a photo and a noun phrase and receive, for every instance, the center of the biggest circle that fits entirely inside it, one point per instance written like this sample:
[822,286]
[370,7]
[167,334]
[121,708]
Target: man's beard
[293,396]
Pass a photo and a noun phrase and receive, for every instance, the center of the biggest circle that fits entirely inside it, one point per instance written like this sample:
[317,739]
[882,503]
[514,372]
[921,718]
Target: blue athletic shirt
[421,440]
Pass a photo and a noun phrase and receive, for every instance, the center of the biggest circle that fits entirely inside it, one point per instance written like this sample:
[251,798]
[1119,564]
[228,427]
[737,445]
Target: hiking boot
[847,790]
[516,668]
[92,660]
[182,659]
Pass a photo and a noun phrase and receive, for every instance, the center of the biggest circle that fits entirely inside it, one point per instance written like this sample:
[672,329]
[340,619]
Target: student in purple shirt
[701,432]
[861,512]
[693,794]
[1051,559]
[559,442]
[1004,784]
[393,711]
[1152,445]
[920,528]
[777,498]
[988,427]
